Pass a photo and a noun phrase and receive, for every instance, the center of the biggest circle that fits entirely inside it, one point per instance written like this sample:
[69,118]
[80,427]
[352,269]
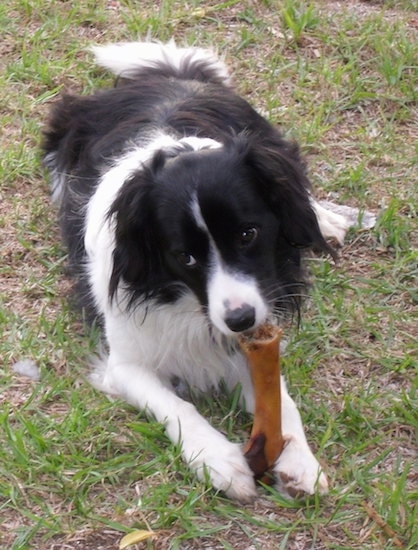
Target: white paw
[225,465]
[297,471]
[332,224]
[99,376]
[334,219]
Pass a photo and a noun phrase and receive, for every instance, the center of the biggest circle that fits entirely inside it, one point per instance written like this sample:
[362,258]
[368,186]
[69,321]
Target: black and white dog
[186,216]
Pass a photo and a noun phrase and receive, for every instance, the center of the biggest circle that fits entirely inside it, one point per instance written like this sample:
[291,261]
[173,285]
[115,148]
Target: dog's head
[228,223]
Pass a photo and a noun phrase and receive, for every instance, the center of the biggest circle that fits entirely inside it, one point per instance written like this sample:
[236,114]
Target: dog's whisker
[156,220]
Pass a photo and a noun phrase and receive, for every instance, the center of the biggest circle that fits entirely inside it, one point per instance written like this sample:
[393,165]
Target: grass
[78,470]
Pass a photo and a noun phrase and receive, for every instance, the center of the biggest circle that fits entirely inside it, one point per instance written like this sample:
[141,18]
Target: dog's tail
[132,59]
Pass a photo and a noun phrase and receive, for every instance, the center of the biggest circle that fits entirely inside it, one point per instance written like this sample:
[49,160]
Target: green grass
[78,470]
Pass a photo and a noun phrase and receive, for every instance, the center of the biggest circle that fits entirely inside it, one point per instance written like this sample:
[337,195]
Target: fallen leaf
[135,536]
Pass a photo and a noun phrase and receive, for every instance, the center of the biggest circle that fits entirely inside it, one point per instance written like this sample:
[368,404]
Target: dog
[186,216]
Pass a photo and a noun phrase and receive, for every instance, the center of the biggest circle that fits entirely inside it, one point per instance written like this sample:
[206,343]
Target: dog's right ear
[137,264]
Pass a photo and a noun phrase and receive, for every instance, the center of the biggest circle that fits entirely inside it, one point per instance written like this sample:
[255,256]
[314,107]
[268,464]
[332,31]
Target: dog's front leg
[205,450]
[297,471]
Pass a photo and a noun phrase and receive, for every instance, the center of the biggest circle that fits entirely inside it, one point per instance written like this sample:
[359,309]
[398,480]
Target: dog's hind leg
[335,220]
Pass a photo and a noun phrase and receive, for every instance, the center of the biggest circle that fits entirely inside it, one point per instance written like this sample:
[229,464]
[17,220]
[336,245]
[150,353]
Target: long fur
[186,216]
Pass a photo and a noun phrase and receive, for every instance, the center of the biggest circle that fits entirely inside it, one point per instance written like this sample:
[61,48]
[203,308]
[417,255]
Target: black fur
[256,167]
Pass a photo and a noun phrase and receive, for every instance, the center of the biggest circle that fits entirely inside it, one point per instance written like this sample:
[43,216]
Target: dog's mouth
[242,322]
[237,323]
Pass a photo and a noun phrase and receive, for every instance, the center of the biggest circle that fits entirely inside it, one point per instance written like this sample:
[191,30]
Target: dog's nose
[240,318]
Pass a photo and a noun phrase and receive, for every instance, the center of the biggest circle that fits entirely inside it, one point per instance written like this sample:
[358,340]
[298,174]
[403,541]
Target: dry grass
[76,471]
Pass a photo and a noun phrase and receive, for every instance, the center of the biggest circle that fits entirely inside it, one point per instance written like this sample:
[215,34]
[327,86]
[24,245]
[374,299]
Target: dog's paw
[297,471]
[334,219]
[333,225]
[225,465]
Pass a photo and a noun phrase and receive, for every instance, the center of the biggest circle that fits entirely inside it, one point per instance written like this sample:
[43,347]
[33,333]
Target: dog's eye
[186,260]
[248,235]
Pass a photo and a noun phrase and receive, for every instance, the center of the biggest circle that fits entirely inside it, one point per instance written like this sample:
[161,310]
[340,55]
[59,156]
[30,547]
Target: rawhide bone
[261,349]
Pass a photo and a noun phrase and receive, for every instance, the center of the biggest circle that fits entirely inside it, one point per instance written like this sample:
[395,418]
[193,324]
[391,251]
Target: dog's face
[223,223]
[219,238]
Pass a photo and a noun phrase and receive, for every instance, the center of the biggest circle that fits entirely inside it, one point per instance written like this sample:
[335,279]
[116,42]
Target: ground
[77,471]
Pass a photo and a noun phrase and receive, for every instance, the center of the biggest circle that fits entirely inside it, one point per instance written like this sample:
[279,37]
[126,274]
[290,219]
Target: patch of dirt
[23,264]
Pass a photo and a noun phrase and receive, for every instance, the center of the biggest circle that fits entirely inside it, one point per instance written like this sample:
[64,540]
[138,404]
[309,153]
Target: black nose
[241,318]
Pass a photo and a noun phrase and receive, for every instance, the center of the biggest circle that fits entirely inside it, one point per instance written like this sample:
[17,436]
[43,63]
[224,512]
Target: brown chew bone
[266,441]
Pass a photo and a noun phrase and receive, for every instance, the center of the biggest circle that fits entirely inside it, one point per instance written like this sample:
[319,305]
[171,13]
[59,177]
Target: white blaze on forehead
[197,143]
[198,217]
[227,289]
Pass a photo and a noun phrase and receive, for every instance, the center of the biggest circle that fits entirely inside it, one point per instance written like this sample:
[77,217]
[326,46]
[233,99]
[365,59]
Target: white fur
[228,290]
[98,239]
[153,343]
[58,179]
[232,290]
[149,347]
[331,224]
[297,470]
[125,58]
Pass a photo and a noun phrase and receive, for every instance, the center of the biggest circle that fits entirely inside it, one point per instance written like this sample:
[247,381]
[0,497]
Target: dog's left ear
[280,177]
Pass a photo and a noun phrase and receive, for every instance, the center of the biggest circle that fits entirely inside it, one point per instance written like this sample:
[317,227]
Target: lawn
[78,471]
